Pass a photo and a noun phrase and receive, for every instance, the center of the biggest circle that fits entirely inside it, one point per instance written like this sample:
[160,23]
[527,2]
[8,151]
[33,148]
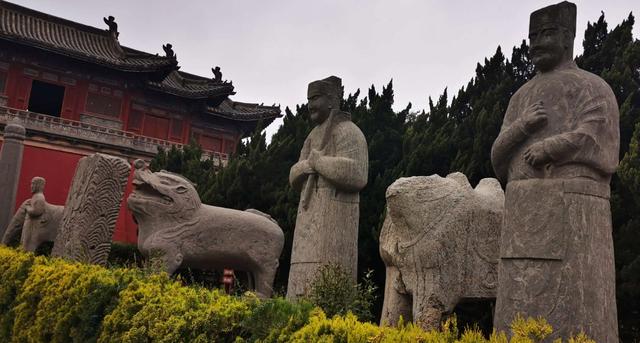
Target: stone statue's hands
[535,155]
[306,168]
[314,155]
[535,118]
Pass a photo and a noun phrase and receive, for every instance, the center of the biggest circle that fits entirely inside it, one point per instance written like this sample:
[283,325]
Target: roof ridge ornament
[113,26]
[168,50]
[217,74]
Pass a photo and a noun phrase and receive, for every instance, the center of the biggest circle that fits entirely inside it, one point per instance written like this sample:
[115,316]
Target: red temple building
[78,91]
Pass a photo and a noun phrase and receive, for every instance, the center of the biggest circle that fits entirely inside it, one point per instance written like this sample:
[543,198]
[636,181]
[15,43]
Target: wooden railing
[91,133]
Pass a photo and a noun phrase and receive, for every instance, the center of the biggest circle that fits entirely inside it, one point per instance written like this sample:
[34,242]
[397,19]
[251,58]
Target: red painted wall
[58,168]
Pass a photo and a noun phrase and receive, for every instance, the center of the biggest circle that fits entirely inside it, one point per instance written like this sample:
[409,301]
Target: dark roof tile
[192,86]
[241,111]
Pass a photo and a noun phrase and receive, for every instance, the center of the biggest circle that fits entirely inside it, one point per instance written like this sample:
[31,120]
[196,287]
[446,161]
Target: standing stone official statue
[332,170]
[556,151]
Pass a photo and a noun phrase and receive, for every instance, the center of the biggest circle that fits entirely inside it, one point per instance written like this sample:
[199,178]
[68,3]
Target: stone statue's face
[319,107]
[37,186]
[548,47]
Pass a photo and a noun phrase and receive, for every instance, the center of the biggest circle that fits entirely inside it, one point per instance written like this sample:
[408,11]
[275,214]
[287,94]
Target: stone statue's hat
[332,85]
[562,14]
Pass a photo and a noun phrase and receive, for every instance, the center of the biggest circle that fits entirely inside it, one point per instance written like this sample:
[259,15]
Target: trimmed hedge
[51,300]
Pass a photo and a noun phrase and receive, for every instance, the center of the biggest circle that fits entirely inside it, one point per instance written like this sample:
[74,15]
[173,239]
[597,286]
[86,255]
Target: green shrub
[14,270]
[158,309]
[50,300]
[275,320]
[65,302]
[125,255]
[334,292]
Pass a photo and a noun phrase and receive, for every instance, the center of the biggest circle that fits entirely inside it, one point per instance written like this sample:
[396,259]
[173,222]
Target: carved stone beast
[439,243]
[176,227]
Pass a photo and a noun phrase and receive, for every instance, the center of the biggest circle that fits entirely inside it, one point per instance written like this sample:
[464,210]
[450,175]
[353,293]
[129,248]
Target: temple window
[229,147]
[46,98]
[206,141]
[210,143]
[101,101]
[176,129]
[156,127]
[3,81]
[135,121]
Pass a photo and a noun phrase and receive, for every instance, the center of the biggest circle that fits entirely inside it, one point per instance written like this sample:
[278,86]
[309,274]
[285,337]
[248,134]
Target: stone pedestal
[92,209]
[10,163]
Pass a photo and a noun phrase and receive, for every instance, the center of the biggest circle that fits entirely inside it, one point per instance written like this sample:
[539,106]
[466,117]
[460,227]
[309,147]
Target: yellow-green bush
[158,309]
[275,320]
[14,270]
[65,302]
[50,300]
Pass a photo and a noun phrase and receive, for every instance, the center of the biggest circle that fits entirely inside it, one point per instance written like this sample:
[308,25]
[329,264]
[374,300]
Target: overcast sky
[273,49]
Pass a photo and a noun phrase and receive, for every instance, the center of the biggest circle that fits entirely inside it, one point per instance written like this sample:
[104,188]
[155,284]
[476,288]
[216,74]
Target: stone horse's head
[161,196]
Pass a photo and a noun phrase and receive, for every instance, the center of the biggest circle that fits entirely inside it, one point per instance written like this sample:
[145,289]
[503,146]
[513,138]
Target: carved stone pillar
[10,163]
[92,208]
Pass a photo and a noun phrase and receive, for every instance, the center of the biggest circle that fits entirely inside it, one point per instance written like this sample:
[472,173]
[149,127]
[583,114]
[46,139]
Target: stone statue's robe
[327,229]
[556,254]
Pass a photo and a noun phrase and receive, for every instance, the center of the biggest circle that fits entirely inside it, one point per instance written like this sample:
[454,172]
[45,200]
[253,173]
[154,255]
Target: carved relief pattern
[92,209]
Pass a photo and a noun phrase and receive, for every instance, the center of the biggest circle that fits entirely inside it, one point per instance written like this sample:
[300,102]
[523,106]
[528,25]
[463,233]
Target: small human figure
[113,26]
[168,50]
[217,74]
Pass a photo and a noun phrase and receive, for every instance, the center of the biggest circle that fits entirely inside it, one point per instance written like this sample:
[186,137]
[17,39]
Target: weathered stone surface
[92,209]
[439,243]
[332,170]
[10,164]
[36,221]
[556,151]
[176,228]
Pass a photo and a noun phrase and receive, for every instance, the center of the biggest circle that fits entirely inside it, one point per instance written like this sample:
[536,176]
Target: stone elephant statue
[35,222]
[440,244]
[174,226]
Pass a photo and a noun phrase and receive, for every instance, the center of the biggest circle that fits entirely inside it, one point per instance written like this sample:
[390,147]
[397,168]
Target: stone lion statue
[440,244]
[175,227]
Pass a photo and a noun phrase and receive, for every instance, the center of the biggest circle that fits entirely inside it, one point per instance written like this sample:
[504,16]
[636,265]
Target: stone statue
[91,209]
[36,221]
[556,151]
[177,229]
[332,170]
[10,165]
[113,26]
[439,243]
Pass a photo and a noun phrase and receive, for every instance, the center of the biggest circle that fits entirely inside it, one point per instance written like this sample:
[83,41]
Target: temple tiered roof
[25,26]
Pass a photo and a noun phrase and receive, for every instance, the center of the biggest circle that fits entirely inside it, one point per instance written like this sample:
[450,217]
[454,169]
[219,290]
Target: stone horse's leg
[167,258]
[395,304]
[263,279]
